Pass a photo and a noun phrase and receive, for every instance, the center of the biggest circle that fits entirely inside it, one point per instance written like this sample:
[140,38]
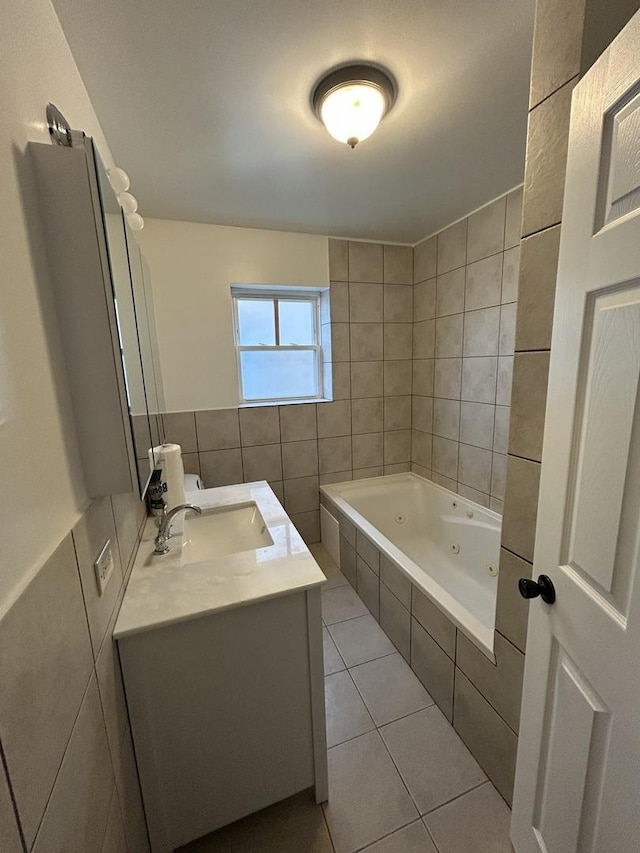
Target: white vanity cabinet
[222,713]
[224,678]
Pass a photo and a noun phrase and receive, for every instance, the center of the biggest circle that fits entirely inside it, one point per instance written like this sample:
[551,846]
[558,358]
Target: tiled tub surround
[480,698]
[445,545]
[465,294]
[66,742]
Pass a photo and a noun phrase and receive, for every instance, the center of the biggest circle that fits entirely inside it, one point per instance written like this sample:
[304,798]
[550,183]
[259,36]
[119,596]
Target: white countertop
[162,592]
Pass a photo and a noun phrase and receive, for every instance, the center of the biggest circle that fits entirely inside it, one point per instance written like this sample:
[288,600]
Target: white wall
[192,267]
[42,491]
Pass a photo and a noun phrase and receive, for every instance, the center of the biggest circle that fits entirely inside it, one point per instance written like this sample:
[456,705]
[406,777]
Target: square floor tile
[340,604]
[332,660]
[290,826]
[347,716]
[367,799]
[361,640]
[334,580]
[435,764]
[390,689]
[410,839]
[477,822]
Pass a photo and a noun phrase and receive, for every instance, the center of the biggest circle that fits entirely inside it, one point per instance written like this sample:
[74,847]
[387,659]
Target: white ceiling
[206,104]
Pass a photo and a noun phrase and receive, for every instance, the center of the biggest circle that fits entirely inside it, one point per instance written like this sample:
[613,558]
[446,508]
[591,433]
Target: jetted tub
[448,546]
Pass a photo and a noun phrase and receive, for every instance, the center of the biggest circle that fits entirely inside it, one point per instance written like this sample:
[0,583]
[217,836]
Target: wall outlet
[104,566]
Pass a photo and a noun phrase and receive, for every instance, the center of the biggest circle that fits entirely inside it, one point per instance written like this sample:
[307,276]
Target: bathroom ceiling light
[352,100]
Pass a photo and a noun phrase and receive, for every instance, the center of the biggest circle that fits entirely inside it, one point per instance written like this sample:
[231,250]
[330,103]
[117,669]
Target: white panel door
[578,770]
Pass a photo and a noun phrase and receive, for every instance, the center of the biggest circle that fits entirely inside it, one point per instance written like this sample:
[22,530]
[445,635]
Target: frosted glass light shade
[136,222]
[352,112]
[352,99]
[128,202]
[118,179]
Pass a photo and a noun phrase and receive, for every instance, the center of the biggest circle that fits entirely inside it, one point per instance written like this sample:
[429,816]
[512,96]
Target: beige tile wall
[364,432]
[419,372]
[464,306]
[71,781]
[486,698]
[485,720]
[555,69]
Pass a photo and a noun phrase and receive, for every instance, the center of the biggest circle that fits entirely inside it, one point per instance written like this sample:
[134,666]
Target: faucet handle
[164,528]
[162,514]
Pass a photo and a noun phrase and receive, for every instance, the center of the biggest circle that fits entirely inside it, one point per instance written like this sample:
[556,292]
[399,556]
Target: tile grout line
[350,618]
[422,817]
[485,781]
[326,823]
[477,689]
[389,834]
[362,663]
[395,719]
[391,757]
[540,231]
[525,458]
[368,731]
[519,556]
[550,95]
[397,769]
[64,753]
[14,804]
[429,835]
[447,802]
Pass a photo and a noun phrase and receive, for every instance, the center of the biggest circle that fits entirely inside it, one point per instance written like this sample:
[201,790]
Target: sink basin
[227,530]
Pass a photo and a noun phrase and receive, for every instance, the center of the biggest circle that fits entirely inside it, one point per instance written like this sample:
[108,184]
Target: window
[278,344]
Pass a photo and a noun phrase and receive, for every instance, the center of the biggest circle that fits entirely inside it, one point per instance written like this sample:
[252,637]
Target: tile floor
[400,778]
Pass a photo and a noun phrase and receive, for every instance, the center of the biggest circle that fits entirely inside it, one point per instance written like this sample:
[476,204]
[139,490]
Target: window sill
[284,402]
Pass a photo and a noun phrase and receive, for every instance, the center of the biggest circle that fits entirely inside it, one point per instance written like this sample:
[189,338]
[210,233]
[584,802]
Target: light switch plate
[104,566]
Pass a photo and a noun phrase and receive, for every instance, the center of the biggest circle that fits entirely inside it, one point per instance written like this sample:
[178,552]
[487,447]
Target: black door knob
[542,587]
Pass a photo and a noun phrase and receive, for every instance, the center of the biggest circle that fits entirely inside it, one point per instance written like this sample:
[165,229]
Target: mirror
[153,404]
[147,333]
[136,327]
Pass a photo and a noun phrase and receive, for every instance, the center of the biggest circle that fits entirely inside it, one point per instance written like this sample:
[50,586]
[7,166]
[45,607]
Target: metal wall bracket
[59,127]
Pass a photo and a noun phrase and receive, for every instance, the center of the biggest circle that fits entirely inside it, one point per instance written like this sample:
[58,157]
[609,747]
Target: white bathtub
[446,545]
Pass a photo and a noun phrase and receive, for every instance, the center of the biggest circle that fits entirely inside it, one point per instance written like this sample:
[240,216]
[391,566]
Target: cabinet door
[81,280]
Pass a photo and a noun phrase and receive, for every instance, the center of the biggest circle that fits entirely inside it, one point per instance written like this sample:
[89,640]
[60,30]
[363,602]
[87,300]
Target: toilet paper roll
[192,483]
[168,457]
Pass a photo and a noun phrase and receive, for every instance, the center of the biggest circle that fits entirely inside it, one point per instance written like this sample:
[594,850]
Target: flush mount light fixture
[351,101]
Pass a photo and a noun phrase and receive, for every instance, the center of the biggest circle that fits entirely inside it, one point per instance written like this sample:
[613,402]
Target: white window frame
[275,295]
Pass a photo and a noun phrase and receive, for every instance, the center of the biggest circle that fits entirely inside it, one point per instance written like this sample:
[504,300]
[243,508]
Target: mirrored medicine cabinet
[104,307]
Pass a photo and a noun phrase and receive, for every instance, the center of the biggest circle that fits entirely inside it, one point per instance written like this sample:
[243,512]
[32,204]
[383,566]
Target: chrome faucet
[164,530]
